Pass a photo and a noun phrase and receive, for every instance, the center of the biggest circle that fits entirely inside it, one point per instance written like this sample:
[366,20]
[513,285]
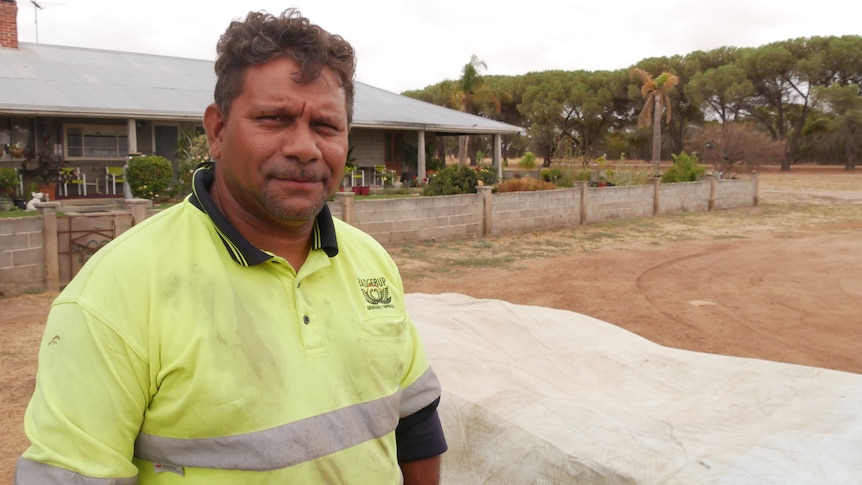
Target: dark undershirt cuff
[420,435]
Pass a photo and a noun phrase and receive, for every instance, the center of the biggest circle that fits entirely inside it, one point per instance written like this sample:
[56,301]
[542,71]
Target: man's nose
[299,142]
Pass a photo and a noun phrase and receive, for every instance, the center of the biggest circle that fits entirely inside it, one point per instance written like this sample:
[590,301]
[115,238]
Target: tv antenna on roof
[40,5]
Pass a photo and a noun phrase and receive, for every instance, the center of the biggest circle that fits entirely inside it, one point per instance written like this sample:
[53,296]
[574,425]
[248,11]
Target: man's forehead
[258,83]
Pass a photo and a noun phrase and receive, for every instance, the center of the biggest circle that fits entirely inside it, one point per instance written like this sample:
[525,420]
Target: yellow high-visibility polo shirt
[183,354]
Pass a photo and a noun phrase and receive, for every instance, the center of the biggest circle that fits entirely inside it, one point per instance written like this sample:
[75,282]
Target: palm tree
[655,91]
[469,95]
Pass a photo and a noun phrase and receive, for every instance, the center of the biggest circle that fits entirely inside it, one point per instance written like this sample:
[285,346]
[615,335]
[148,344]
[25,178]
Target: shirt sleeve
[420,435]
[89,402]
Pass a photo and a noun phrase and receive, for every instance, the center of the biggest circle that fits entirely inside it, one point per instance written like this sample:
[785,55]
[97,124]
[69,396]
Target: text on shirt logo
[375,292]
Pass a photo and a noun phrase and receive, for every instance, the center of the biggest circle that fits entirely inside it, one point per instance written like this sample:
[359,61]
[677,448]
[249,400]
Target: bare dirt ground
[781,281]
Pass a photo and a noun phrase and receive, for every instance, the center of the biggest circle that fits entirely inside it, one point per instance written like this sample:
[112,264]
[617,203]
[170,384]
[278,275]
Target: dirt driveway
[781,281]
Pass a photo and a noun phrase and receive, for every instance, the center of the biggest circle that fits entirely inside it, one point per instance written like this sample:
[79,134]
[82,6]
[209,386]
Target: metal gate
[79,236]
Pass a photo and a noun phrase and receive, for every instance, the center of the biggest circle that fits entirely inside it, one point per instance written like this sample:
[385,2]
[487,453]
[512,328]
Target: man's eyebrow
[265,106]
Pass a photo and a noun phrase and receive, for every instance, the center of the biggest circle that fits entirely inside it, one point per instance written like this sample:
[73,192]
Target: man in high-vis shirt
[244,335]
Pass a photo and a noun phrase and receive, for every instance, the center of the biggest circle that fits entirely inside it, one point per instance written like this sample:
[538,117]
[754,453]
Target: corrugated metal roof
[39,79]
[375,107]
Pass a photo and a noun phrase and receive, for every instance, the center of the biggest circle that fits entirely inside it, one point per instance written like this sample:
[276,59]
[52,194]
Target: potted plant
[44,166]
[8,186]
[15,149]
[389,178]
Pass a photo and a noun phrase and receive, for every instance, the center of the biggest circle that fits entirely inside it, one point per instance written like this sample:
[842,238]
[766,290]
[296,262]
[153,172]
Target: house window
[165,140]
[102,142]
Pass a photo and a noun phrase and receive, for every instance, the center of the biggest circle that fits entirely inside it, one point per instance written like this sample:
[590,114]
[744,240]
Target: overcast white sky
[409,44]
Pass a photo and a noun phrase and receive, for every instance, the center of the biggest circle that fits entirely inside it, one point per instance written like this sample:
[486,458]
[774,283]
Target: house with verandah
[94,107]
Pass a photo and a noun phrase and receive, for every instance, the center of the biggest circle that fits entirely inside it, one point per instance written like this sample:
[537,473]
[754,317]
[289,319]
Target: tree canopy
[800,92]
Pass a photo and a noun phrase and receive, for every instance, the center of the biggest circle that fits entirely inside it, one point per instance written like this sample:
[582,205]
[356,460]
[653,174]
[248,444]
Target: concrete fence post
[712,188]
[656,200]
[582,186]
[50,250]
[486,198]
[346,201]
[756,177]
[138,210]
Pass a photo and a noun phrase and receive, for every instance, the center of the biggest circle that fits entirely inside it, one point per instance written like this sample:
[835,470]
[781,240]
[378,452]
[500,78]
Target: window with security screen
[165,139]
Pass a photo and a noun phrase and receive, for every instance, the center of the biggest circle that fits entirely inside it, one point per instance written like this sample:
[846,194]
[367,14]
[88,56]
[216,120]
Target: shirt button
[305,319]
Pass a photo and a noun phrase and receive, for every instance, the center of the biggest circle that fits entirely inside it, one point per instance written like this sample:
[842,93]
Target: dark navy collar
[239,248]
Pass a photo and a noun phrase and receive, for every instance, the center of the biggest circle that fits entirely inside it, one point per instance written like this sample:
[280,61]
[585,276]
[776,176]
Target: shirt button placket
[311,337]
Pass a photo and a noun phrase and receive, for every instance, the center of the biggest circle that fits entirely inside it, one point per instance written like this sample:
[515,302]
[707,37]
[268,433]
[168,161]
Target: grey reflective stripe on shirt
[280,447]
[33,473]
[420,394]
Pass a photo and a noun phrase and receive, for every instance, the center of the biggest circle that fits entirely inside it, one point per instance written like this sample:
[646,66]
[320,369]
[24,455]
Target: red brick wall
[8,24]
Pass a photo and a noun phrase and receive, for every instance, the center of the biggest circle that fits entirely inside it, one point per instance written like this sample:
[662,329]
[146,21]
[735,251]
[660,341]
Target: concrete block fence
[30,246]
[22,256]
[486,214]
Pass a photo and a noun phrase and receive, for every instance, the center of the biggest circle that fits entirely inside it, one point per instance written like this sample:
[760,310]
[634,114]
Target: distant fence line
[44,252]
[486,214]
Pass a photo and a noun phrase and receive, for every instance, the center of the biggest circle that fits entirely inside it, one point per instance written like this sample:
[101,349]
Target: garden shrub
[8,182]
[479,156]
[555,176]
[583,175]
[192,150]
[459,179]
[488,175]
[149,176]
[528,161]
[524,185]
[685,168]
[182,183]
[631,176]
[435,164]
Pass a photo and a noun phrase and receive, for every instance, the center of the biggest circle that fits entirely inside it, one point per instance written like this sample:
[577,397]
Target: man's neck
[291,241]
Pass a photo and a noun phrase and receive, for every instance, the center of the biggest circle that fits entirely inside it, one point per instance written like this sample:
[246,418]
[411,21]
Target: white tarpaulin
[538,395]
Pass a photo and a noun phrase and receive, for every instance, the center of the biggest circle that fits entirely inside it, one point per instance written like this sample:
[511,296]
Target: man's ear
[214,123]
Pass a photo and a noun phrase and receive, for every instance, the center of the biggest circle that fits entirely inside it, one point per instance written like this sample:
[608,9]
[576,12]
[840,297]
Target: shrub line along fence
[485,214]
[44,252]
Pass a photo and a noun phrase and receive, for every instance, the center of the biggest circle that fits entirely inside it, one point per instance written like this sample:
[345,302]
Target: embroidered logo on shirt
[375,291]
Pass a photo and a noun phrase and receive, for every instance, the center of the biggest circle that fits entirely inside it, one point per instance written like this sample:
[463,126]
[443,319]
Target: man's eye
[327,127]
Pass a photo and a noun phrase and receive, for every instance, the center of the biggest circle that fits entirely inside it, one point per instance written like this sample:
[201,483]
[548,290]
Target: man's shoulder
[162,239]
[353,235]
[171,227]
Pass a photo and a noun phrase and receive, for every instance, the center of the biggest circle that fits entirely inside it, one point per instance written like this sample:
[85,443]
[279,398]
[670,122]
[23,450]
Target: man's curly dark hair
[262,37]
